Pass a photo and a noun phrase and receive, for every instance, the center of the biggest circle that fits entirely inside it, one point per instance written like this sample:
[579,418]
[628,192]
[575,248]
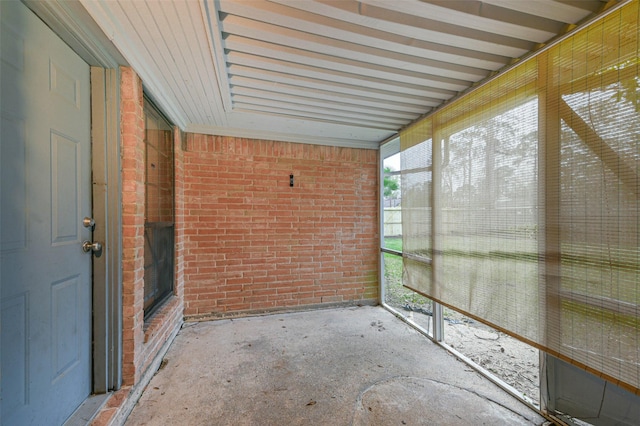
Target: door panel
[65,189]
[15,368]
[45,192]
[13,170]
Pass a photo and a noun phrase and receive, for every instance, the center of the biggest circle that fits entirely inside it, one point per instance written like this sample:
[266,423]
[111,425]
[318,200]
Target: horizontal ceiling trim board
[304,104]
[260,105]
[261,75]
[301,20]
[313,96]
[258,48]
[347,50]
[562,11]
[309,105]
[275,65]
[376,114]
[370,107]
[409,13]
[476,26]
[317,113]
[279,137]
[503,14]
[294,113]
[111,27]
[396,23]
[315,128]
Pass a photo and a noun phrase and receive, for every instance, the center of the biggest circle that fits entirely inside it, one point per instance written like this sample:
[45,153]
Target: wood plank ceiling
[340,72]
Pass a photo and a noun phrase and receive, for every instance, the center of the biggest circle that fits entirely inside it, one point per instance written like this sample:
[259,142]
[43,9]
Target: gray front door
[45,193]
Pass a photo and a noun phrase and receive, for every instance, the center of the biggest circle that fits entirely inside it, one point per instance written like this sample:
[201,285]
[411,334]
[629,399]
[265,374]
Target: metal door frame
[107,201]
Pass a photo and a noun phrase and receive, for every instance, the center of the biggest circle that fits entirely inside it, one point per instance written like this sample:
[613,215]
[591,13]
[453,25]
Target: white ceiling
[339,72]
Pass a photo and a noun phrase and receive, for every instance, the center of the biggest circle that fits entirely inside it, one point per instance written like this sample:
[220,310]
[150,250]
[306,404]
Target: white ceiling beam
[343,49]
[308,98]
[400,24]
[285,67]
[560,11]
[423,15]
[329,86]
[324,109]
[315,116]
[451,21]
[502,15]
[259,48]
[297,19]
[243,94]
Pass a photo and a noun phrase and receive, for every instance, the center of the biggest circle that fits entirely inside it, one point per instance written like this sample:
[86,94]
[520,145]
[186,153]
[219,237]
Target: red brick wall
[132,163]
[141,341]
[179,218]
[254,243]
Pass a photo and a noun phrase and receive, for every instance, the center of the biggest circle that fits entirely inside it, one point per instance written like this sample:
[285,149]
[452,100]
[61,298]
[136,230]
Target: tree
[390,184]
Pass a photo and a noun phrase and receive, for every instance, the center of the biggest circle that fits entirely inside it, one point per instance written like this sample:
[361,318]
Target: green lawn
[393,243]
[397,295]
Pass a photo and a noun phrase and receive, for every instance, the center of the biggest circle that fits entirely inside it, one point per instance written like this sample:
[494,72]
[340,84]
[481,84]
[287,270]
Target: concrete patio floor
[347,366]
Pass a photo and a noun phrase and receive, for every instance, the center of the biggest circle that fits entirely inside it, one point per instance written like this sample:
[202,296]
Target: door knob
[88,222]
[96,247]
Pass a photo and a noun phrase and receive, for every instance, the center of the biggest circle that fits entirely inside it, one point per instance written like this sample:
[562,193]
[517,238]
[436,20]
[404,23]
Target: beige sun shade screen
[528,218]
[416,184]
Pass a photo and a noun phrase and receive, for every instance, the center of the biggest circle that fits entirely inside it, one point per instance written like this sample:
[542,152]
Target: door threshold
[87,410]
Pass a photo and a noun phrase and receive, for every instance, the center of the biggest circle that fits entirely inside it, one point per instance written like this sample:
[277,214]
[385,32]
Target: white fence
[392,221]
